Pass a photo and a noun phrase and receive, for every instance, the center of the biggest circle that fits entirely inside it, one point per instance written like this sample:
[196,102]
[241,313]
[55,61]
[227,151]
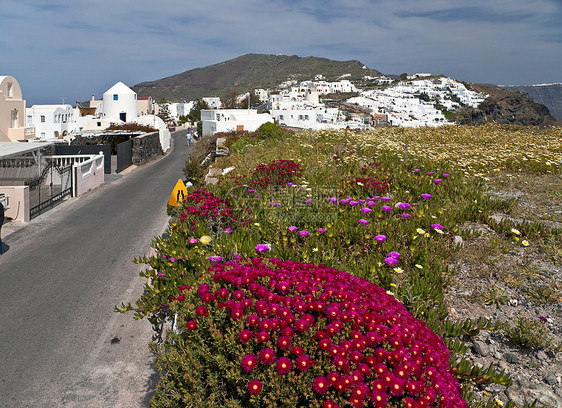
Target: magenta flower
[343,201]
[303,362]
[380,238]
[333,200]
[192,241]
[254,387]
[366,210]
[403,206]
[431,173]
[249,362]
[245,335]
[262,248]
[386,208]
[215,259]
[284,365]
[320,384]
[391,261]
[371,203]
[364,222]
[385,199]
[353,203]
[426,196]
[446,175]
[320,230]
[437,226]
[394,254]
[267,355]
[228,231]
[303,233]
[191,325]
[292,228]
[437,181]
[405,216]
[417,170]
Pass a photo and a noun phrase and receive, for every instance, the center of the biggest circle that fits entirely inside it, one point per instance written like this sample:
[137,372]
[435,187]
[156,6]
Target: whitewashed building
[120,102]
[230,120]
[51,121]
[213,102]
[158,124]
[12,112]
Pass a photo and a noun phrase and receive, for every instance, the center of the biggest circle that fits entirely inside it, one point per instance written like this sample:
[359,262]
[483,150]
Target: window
[99,124]
[115,97]
[42,118]
[10,90]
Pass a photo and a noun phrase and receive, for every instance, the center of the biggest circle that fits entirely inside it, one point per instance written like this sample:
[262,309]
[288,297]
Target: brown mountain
[550,95]
[246,73]
[506,107]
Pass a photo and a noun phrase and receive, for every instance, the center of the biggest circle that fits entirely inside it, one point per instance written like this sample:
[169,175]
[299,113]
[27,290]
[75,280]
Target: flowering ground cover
[350,228]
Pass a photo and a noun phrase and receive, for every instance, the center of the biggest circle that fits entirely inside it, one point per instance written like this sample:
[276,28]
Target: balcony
[21,134]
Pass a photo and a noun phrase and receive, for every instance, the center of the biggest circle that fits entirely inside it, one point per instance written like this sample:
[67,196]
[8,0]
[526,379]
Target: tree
[195,112]
[229,99]
[403,76]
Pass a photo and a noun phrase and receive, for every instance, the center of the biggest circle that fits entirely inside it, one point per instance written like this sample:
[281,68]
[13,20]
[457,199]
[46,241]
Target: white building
[51,121]
[177,109]
[158,124]
[230,120]
[120,102]
[213,102]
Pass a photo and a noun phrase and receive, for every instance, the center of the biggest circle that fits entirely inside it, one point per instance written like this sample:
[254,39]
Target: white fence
[87,171]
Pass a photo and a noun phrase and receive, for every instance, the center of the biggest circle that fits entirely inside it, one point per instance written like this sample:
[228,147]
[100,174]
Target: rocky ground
[499,276]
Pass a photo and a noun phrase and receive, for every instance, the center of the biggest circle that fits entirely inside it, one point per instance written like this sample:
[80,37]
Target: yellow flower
[205,239]
[398,270]
[516,232]
[427,234]
[525,242]
[438,231]
[419,266]
[314,249]
[420,231]
[393,285]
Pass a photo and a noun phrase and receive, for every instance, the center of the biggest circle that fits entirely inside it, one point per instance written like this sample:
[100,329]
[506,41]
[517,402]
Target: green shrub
[529,333]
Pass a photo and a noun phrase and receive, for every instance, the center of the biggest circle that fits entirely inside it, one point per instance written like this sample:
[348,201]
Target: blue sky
[73,49]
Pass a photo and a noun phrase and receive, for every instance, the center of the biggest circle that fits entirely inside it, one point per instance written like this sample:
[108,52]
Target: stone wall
[146,147]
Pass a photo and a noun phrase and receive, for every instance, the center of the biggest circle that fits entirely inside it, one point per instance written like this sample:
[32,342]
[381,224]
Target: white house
[213,102]
[157,123]
[12,112]
[120,102]
[51,121]
[229,120]
[178,109]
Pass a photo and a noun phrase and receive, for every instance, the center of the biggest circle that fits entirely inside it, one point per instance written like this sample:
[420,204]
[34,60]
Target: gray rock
[480,348]
[541,355]
[551,379]
[523,392]
[458,241]
[511,358]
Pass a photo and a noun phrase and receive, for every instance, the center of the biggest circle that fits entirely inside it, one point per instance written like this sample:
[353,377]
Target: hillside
[550,95]
[506,106]
[246,73]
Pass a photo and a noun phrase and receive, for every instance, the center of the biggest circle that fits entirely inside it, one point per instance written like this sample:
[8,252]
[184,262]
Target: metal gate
[49,189]
[124,155]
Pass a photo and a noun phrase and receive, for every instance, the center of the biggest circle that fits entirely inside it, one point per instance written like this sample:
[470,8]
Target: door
[123,116]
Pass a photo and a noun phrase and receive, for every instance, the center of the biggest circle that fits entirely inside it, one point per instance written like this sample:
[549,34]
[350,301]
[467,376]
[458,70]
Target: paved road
[59,281]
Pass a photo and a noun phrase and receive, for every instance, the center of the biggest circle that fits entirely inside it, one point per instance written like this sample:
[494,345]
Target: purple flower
[431,173]
[376,198]
[417,170]
[333,200]
[405,216]
[215,259]
[393,254]
[437,181]
[308,201]
[437,226]
[262,248]
[353,203]
[303,233]
[344,201]
[364,222]
[385,199]
[446,175]
[192,241]
[403,206]
[290,184]
[386,208]
[371,203]
[380,238]
[292,228]
[362,201]
[227,231]
[366,210]
[251,190]
[391,261]
[173,259]
[544,319]
[426,196]
[320,230]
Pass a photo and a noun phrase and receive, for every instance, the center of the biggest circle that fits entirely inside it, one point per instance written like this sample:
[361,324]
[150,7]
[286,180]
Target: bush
[193,170]
[271,333]
[529,333]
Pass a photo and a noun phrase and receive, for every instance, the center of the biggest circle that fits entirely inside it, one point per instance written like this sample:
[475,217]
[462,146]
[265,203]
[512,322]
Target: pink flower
[364,222]
[254,387]
[303,362]
[405,216]
[320,384]
[292,228]
[249,362]
[303,233]
[380,238]
[284,365]
[437,226]
[320,230]
[426,196]
[391,261]
[191,325]
[192,241]
[245,336]
[267,355]
[437,181]
[403,206]
[261,248]
[386,208]
[394,255]
[366,210]
[284,342]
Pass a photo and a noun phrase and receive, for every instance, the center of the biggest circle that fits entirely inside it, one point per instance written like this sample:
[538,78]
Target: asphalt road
[59,281]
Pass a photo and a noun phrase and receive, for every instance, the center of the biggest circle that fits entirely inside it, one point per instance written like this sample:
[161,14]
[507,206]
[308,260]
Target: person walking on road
[188,138]
[1,222]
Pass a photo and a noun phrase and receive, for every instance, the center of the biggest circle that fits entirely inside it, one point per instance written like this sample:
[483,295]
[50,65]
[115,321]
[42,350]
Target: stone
[481,348]
[541,355]
[458,241]
[511,358]
[523,392]
[551,379]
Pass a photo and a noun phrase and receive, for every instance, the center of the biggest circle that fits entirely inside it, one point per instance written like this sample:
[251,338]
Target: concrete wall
[146,147]
[88,175]
[11,101]
[18,202]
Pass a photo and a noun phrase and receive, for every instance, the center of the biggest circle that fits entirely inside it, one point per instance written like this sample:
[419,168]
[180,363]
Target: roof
[119,88]
[10,149]
[143,98]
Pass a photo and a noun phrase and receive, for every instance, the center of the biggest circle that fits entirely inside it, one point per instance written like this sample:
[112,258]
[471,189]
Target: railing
[87,174]
[70,160]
